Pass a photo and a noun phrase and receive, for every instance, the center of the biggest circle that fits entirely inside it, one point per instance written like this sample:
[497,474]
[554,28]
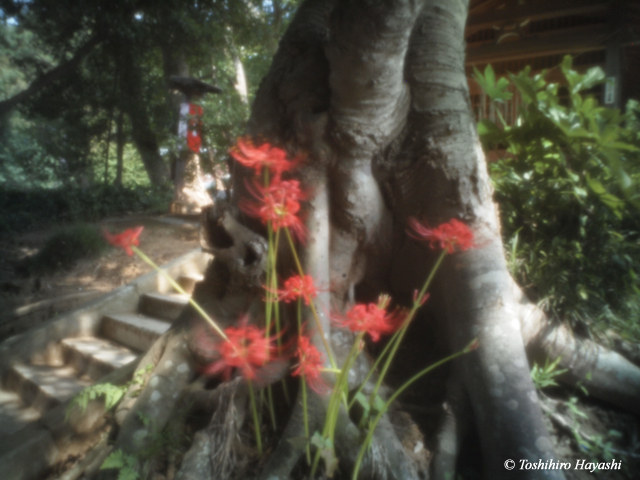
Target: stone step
[14,414]
[132,330]
[43,387]
[163,306]
[188,282]
[95,357]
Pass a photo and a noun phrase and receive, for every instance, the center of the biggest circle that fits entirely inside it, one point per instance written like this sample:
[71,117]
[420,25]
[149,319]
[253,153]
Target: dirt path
[27,301]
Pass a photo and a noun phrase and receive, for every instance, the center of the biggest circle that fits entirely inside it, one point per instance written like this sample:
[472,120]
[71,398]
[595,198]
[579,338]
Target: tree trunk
[174,63]
[134,104]
[120,141]
[440,173]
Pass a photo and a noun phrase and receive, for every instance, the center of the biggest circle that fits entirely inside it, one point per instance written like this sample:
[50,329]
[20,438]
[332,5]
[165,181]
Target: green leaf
[583,292]
[525,86]
[128,474]
[595,185]
[378,403]
[487,127]
[497,91]
[593,77]
[114,460]
[319,441]
[362,399]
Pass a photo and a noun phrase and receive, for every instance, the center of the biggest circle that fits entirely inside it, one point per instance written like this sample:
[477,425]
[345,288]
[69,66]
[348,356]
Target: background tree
[103,58]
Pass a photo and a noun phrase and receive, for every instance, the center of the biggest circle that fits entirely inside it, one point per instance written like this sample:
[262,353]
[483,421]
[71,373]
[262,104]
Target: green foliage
[567,185]
[22,209]
[545,376]
[125,463]
[112,393]
[66,247]
[60,136]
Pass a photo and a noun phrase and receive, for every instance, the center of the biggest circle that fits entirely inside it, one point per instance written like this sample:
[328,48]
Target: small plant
[125,463]
[66,247]
[600,447]
[545,376]
[112,393]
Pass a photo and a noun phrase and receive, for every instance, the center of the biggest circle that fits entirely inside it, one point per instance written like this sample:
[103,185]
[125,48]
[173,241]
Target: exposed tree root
[213,453]
[605,374]
[155,404]
[455,427]
[287,453]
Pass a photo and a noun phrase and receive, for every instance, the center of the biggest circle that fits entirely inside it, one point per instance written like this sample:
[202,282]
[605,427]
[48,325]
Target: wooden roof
[508,30]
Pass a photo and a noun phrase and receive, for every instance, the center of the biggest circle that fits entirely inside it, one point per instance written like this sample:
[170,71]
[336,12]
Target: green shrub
[24,209]
[567,186]
[66,247]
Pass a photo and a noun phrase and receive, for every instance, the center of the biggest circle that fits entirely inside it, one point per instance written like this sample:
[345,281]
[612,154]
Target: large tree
[375,95]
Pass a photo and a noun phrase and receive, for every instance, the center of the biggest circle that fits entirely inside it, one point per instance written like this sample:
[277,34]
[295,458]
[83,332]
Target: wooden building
[511,34]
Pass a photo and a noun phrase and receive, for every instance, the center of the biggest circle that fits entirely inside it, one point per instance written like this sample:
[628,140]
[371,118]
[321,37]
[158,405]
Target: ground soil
[28,300]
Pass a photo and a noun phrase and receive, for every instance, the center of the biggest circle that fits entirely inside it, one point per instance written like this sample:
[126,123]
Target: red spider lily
[124,240]
[247,348]
[372,318]
[266,155]
[297,287]
[449,236]
[279,203]
[310,365]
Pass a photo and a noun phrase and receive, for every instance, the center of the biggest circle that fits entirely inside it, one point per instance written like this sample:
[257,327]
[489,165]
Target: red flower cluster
[124,240]
[310,365]
[267,156]
[449,236]
[297,287]
[279,203]
[247,348]
[372,318]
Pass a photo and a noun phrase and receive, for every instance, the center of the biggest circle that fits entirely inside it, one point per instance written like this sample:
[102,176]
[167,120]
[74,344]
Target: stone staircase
[42,370]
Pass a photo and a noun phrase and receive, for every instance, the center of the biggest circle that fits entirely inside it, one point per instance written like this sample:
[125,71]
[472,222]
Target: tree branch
[58,73]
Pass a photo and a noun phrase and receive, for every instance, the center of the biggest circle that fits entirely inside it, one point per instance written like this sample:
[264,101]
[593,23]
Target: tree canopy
[72,69]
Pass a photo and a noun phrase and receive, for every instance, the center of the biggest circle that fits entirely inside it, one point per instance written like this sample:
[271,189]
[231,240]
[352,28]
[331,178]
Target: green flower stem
[337,395]
[374,367]
[272,411]
[397,393]
[305,415]
[175,285]
[311,304]
[274,286]
[269,294]
[271,305]
[303,386]
[403,330]
[256,422]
